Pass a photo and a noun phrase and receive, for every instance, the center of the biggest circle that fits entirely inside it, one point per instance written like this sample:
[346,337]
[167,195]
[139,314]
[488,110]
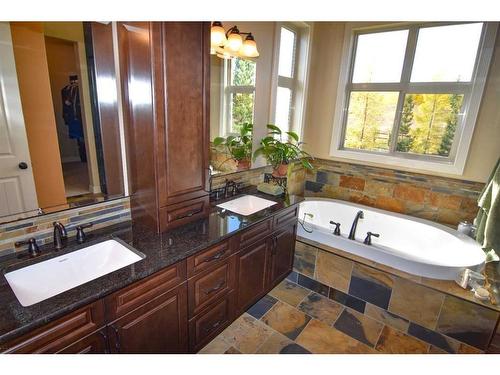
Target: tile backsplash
[444,200]
[101,215]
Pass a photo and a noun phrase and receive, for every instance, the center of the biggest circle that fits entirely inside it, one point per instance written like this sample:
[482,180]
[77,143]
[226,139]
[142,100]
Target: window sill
[456,168]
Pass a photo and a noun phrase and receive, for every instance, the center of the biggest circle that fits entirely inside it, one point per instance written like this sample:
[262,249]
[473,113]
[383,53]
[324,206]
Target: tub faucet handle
[336,231]
[368,239]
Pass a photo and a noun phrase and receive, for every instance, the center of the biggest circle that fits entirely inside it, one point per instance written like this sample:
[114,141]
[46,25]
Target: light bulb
[234,41]
[249,48]
[217,34]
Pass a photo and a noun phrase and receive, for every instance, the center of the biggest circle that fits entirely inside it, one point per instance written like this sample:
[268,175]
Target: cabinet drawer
[95,343]
[287,217]
[61,333]
[209,323]
[211,285]
[256,233]
[182,213]
[216,254]
[135,295]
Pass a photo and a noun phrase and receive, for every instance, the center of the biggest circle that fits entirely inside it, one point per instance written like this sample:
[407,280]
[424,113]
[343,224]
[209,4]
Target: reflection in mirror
[60,137]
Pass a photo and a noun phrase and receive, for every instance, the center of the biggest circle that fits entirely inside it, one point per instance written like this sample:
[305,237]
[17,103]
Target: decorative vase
[281,170]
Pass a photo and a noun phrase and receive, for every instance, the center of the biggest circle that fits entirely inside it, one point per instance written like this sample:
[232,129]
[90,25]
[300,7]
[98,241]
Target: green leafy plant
[238,146]
[278,152]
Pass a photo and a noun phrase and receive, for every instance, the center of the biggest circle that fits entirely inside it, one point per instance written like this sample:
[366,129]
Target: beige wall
[325,65]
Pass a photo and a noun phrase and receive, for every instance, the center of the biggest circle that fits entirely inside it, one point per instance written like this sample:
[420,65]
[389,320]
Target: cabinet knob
[23,165]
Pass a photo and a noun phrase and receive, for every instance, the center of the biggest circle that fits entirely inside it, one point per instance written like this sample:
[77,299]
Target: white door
[17,186]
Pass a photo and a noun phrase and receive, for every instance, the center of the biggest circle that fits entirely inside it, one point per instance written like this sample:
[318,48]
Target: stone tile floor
[295,320]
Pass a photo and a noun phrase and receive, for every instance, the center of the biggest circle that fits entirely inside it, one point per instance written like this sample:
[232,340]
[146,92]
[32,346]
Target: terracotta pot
[243,165]
[281,170]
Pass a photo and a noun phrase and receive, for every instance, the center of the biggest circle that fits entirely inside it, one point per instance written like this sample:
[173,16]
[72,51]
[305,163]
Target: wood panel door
[160,326]
[252,273]
[282,250]
[183,167]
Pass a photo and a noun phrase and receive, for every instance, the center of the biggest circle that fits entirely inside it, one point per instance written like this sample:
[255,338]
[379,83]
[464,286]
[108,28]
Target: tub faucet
[60,235]
[352,232]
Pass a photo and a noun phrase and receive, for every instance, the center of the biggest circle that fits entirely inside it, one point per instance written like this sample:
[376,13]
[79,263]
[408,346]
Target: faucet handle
[80,234]
[336,231]
[33,248]
[368,239]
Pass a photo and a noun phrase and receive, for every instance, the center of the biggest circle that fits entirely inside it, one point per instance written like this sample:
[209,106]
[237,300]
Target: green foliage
[451,126]
[243,72]
[278,152]
[240,146]
[405,139]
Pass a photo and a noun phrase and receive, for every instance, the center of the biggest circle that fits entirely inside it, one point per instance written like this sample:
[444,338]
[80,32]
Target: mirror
[240,92]
[60,138]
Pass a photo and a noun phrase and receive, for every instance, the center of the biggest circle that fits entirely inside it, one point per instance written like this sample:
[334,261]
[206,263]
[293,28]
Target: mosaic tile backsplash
[101,215]
[444,200]
[386,309]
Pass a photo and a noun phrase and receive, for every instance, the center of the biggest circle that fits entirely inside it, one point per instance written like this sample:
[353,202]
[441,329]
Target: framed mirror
[61,142]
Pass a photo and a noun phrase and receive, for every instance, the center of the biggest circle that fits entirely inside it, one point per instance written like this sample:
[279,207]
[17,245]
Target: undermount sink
[246,205]
[35,283]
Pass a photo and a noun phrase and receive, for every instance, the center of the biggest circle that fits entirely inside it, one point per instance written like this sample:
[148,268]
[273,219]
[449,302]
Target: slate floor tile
[313,285]
[280,344]
[386,317]
[320,338]
[289,292]
[347,300]
[262,306]
[394,341]
[246,334]
[286,319]
[321,308]
[371,285]
[359,326]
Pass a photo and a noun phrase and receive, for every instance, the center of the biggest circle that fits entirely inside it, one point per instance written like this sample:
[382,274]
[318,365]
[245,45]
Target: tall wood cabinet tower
[164,70]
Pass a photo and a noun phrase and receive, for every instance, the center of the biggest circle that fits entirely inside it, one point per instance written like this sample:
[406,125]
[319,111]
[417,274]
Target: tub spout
[352,232]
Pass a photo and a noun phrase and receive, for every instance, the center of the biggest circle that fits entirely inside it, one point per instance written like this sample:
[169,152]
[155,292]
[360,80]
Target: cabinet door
[158,326]
[183,166]
[95,343]
[252,273]
[283,247]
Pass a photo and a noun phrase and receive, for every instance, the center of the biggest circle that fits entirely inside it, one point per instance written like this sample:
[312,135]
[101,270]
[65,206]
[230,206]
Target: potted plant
[281,154]
[239,147]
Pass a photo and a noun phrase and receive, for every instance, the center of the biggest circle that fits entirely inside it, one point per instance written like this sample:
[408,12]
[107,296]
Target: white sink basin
[246,205]
[46,279]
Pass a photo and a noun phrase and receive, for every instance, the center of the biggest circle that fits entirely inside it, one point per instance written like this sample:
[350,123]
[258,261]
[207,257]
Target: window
[239,94]
[290,72]
[411,94]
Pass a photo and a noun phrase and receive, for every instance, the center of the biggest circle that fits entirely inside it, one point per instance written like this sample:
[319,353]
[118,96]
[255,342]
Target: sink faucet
[352,232]
[60,235]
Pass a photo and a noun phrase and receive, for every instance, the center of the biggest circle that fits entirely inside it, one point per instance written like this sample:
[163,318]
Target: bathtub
[416,246]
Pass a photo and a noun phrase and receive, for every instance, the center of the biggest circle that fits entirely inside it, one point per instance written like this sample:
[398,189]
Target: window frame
[472,91]
[227,91]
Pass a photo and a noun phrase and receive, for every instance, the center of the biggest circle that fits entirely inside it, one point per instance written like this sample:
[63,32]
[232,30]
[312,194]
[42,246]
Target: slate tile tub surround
[387,312]
[444,200]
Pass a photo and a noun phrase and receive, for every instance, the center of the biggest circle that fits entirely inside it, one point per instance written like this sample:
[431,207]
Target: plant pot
[281,170]
[243,165]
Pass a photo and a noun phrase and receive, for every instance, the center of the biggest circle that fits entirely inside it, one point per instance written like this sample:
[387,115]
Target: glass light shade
[217,35]
[249,48]
[234,42]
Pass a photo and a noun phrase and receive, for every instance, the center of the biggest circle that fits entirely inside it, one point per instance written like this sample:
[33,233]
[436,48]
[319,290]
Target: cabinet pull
[215,288]
[105,338]
[213,326]
[217,256]
[275,245]
[188,214]
[117,339]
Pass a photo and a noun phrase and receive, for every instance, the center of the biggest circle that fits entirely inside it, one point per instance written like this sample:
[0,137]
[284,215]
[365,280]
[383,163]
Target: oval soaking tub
[410,244]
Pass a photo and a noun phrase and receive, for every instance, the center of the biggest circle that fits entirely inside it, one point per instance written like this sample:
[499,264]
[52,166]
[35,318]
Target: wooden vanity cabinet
[165,78]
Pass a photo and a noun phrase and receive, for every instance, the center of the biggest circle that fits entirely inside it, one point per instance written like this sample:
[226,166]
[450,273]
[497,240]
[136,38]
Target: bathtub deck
[294,320]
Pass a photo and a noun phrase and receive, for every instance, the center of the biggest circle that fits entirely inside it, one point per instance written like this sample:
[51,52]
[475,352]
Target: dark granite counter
[161,250]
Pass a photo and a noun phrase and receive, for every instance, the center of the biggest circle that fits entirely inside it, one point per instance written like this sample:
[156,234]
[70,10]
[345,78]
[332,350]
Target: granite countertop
[161,250]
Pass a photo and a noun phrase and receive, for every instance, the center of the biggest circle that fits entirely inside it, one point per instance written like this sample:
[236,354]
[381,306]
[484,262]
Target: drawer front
[61,333]
[215,255]
[287,217]
[211,285]
[182,213]
[256,233]
[135,295]
[209,323]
